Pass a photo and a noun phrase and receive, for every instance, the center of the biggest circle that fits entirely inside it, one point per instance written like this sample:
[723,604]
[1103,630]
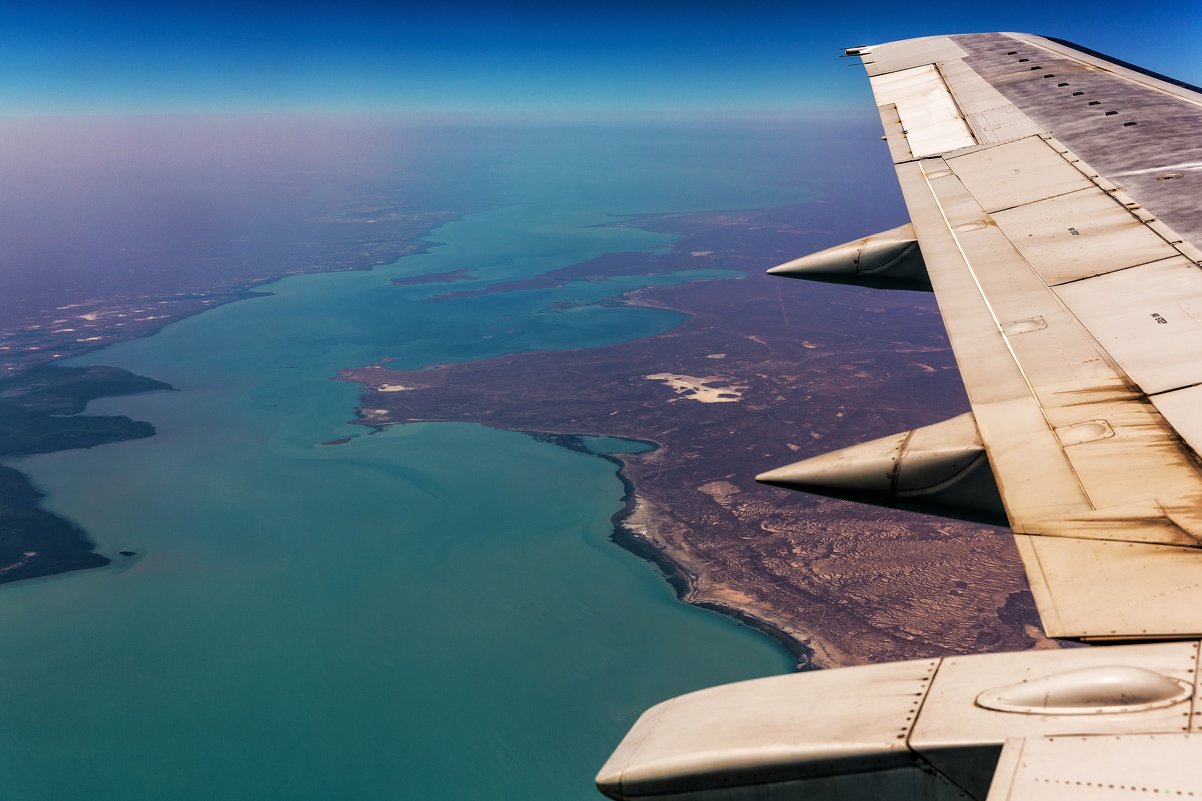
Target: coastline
[41,411]
[36,543]
[748,380]
[624,536]
[629,539]
[108,321]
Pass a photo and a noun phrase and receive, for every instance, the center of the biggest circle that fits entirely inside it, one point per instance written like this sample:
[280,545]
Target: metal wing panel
[1017,173]
[1025,245]
[1008,415]
[1086,59]
[1148,318]
[929,117]
[1142,130]
[988,113]
[1070,453]
[1080,235]
[1099,590]
[894,56]
[1098,768]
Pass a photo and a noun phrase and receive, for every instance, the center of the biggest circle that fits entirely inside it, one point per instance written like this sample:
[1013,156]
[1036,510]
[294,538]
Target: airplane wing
[1072,723]
[1056,202]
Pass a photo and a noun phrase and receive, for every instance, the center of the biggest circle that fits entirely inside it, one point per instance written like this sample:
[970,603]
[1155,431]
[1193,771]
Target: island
[41,412]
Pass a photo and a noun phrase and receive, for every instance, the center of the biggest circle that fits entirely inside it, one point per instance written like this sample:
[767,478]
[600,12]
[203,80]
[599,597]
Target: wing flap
[895,135]
[1180,407]
[1100,590]
[1083,461]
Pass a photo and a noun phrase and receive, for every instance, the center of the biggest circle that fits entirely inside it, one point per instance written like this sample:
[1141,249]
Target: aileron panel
[893,56]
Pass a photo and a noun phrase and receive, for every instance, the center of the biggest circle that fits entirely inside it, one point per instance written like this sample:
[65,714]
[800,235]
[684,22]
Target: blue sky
[615,59]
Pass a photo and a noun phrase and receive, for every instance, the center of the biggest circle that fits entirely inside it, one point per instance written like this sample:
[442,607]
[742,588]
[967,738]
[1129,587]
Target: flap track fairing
[940,469]
[888,260]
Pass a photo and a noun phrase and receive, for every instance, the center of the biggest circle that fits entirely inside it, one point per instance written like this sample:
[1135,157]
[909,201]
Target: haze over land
[118,223]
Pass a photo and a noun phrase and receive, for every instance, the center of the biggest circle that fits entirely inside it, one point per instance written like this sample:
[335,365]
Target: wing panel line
[997,324]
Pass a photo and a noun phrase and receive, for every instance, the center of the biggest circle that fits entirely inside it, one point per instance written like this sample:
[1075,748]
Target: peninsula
[762,374]
[40,412]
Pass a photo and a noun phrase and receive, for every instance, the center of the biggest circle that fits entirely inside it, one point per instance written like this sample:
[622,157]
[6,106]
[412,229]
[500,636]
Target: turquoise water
[615,445]
[430,612]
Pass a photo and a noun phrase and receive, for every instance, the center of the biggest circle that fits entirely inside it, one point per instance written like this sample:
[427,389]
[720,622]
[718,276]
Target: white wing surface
[1097,768]
[1055,197]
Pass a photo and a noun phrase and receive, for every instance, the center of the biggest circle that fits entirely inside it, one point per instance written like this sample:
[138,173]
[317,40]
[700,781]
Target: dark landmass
[765,372]
[40,409]
[34,542]
[40,412]
[434,278]
[144,220]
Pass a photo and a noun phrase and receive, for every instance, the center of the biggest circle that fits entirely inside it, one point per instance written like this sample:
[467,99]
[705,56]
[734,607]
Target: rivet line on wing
[997,323]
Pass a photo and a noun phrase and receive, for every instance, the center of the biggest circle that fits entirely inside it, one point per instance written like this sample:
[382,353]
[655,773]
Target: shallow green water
[615,445]
[430,612]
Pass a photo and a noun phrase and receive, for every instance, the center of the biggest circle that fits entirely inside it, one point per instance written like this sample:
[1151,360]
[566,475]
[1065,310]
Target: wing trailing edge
[1067,273]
